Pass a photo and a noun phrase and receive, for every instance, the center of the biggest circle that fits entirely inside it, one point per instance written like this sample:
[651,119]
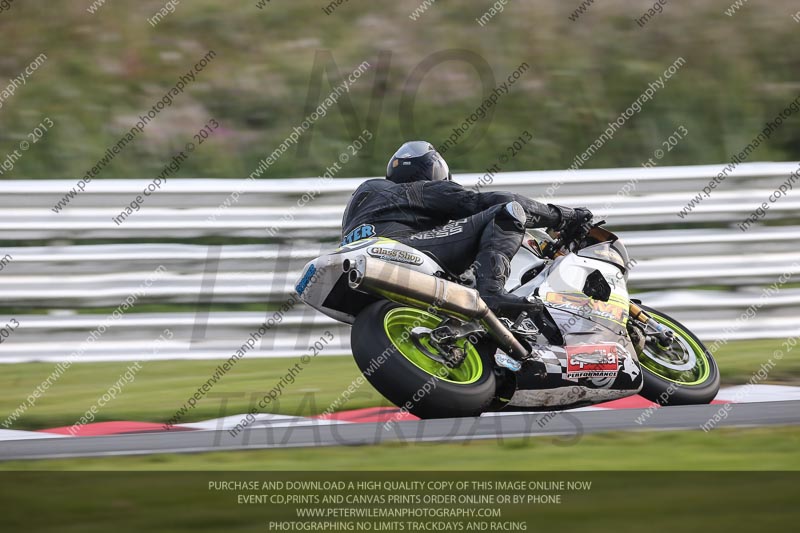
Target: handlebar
[569,237]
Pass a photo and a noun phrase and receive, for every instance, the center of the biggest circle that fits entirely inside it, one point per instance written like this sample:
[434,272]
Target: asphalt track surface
[565,426]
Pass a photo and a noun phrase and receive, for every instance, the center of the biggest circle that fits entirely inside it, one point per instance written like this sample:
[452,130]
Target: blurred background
[233,241]
[107,67]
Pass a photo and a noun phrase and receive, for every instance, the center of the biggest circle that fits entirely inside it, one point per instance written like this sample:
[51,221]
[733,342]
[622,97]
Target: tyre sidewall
[400,381]
[665,392]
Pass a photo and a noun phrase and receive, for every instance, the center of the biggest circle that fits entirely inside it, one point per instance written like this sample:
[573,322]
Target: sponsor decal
[583,305]
[395,255]
[576,302]
[363,231]
[451,228]
[507,362]
[592,361]
[630,367]
[304,281]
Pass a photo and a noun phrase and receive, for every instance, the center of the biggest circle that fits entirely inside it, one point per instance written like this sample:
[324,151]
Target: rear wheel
[684,374]
[398,364]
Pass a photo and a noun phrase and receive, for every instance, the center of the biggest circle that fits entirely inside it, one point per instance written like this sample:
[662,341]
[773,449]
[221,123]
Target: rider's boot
[491,273]
[499,242]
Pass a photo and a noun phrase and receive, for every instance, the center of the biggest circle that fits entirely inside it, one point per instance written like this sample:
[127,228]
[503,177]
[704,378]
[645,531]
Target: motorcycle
[424,338]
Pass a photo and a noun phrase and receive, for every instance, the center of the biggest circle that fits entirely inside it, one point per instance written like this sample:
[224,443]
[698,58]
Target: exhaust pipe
[405,286]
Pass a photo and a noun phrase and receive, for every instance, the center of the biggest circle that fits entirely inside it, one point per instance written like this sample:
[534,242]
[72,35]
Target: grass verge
[162,387]
[724,450]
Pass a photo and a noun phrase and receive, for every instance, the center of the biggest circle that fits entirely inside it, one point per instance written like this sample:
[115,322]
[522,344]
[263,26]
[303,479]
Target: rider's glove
[572,218]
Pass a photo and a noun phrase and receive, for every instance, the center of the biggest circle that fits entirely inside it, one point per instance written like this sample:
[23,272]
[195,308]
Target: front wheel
[684,374]
[396,364]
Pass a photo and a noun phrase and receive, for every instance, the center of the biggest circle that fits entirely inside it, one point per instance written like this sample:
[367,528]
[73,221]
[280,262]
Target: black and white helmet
[417,161]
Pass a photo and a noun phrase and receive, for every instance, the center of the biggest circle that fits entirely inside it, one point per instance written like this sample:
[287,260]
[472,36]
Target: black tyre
[686,374]
[397,366]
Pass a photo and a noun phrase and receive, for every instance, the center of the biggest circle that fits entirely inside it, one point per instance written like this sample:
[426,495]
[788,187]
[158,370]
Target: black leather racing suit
[457,226]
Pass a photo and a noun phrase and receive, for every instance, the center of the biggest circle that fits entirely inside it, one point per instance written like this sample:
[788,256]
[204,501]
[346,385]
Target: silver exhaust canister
[405,286]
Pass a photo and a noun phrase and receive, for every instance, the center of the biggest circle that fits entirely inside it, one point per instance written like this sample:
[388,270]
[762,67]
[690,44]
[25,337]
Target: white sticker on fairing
[394,255]
[630,367]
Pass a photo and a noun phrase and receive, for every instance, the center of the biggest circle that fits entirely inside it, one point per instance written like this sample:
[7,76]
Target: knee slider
[512,217]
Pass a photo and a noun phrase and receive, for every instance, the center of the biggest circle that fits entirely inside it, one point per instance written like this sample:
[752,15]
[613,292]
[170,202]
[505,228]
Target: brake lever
[568,239]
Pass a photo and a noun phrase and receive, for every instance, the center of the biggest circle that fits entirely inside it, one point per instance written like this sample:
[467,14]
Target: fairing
[597,362]
[328,292]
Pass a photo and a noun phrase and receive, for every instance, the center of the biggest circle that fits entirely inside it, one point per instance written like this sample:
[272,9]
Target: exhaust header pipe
[405,286]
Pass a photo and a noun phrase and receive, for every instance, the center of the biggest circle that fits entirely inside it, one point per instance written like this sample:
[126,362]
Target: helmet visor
[413,149]
[440,169]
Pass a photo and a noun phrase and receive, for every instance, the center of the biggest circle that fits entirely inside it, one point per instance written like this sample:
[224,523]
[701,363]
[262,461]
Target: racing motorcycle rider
[418,204]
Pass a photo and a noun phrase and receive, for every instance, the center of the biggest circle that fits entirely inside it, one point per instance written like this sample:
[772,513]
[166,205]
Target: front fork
[662,335]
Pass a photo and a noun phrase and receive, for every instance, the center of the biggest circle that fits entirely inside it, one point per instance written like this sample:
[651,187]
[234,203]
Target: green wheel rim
[698,374]
[398,324]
